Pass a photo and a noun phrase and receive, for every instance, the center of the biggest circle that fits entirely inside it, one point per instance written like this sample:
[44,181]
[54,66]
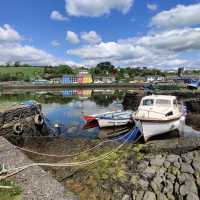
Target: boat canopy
[159,100]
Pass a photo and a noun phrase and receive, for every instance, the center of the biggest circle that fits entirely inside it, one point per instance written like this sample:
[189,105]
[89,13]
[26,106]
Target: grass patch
[27,71]
[12,193]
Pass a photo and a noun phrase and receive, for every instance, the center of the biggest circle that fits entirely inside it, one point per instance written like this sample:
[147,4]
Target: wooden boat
[114,119]
[89,118]
[111,119]
[159,114]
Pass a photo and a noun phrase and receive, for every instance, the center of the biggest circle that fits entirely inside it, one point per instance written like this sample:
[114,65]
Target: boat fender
[38,119]
[18,128]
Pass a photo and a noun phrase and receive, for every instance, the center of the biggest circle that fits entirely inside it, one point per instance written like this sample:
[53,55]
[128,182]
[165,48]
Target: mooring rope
[14,171]
[72,155]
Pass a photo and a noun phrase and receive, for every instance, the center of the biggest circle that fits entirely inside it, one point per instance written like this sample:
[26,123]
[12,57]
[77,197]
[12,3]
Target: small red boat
[89,118]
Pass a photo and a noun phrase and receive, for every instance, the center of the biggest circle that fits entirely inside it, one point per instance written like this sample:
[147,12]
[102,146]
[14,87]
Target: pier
[36,183]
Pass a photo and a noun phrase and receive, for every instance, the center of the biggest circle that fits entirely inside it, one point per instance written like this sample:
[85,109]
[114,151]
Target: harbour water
[67,108]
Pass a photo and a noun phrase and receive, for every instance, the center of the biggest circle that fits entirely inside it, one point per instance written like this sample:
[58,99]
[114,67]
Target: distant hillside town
[104,72]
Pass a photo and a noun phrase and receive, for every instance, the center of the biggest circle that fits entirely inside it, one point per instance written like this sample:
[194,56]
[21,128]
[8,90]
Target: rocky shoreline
[155,171]
[167,176]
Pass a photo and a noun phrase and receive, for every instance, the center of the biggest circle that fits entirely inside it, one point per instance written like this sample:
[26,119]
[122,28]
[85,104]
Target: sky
[162,34]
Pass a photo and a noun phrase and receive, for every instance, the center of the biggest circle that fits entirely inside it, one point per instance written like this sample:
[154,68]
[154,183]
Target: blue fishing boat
[194,84]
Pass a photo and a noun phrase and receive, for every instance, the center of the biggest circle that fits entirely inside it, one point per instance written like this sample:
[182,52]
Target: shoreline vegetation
[28,73]
[10,190]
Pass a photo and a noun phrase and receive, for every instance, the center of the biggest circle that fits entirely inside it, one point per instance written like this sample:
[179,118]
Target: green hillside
[27,71]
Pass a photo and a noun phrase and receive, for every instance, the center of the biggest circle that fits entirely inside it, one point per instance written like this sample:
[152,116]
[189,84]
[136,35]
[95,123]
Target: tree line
[101,69]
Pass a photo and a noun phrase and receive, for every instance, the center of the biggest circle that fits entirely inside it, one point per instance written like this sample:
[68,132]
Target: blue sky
[152,33]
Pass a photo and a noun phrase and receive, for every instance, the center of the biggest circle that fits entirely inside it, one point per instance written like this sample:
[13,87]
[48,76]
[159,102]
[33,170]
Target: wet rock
[157,161]
[161,172]
[185,177]
[198,182]
[143,184]
[168,188]
[187,157]
[142,166]
[186,168]
[170,177]
[176,188]
[196,165]
[161,196]
[188,187]
[126,197]
[156,186]
[170,196]
[177,165]
[149,172]
[139,195]
[134,179]
[166,164]
[173,170]
[172,158]
[192,196]
[150,196]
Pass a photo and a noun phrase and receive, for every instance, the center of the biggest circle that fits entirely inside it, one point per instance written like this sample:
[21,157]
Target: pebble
[149,172]
[192,196]
[126,197]
[188,187]
[172,158]
[161,196]
[143,184]
[196,165]
[149,196]
[177,165]
[157,161]
[166,164]
[187,168]
[140,195]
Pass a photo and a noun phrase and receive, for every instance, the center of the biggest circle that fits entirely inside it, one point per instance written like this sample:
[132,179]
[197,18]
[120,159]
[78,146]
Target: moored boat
[159,114]
[194,84]
[114,119]
[111,119]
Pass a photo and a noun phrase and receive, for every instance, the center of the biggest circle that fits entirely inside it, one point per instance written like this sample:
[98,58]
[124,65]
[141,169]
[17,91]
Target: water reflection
[66,108]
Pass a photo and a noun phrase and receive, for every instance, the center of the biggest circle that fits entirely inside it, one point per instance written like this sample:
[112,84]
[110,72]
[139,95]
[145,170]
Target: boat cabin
[159,100]
[158,107]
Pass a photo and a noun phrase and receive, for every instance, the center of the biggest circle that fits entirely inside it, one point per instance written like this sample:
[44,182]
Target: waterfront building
[104,79]
[80,79]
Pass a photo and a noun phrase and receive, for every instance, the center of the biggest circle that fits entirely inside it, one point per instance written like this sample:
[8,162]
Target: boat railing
[150,111]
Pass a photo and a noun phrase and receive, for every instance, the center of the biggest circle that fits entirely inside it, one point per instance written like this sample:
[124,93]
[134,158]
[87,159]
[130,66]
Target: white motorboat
[160,114]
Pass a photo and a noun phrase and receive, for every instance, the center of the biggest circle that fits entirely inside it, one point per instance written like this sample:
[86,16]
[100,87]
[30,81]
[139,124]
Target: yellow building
[87,78]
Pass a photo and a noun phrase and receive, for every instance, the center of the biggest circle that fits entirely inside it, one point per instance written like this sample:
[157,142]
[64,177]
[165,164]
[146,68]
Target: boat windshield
[163,102]
[148,102]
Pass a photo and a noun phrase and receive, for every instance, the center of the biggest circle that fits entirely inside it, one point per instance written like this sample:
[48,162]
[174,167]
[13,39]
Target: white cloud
[8,34]
[152,6]
[57,16]
[96,8]
[55,43]
[178,17]
[72,37]
[161,49]
[26,54]
[91,37]
[176,40]
[11,50]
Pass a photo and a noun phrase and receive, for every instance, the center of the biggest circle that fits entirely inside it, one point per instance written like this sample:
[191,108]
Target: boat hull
[112,123]
[150,128]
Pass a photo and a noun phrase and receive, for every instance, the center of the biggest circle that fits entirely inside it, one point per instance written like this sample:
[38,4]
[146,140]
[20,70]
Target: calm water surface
[67,108]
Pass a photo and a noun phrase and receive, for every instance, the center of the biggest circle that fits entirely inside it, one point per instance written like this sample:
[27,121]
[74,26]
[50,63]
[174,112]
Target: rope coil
[14,171]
